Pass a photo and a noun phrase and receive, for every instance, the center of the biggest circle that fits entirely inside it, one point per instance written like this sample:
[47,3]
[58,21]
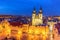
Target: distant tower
[37,19]
[40,16]
[52,30]
[33,16]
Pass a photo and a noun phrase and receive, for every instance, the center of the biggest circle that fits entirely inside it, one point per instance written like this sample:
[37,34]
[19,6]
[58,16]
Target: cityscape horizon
[29,19]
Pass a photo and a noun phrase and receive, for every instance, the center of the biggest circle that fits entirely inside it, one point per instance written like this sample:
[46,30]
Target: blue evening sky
[25,7]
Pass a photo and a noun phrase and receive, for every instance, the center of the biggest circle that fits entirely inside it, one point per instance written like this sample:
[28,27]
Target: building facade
[37,19]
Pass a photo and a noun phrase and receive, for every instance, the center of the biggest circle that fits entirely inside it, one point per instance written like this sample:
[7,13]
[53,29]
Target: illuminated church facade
[37,19]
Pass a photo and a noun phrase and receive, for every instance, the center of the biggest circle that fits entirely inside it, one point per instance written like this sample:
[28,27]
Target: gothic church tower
[37,19]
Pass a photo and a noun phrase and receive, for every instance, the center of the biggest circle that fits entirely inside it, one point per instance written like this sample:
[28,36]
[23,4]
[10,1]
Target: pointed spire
[34,11]
[40,11]
[41,8]
[34,8]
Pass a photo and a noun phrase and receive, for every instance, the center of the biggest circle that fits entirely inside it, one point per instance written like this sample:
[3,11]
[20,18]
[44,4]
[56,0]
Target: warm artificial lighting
[30,31]
[37,31]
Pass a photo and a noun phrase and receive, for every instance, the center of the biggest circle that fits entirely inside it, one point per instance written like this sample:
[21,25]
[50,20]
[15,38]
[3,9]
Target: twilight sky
[25,7]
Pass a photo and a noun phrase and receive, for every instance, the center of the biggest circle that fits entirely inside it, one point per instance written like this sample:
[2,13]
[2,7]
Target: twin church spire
[40,11]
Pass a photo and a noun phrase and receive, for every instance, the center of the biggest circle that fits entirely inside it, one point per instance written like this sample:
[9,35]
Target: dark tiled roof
[15,23]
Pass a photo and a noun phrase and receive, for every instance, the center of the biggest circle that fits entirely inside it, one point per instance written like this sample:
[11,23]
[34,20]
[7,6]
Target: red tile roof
[15,23]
